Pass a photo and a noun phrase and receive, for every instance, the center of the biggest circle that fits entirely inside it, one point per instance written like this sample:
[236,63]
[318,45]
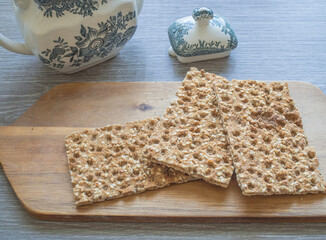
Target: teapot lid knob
[202,14]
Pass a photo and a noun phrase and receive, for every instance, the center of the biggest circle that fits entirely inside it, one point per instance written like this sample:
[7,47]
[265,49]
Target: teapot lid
[202,36]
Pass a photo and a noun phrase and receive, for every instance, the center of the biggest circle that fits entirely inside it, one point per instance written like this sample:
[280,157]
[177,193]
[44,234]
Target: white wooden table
[278,40]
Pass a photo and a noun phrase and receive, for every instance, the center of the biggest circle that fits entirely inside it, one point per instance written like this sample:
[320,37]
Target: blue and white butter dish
[202,36]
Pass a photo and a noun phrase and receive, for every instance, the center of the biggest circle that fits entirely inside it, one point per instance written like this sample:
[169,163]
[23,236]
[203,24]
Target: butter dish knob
[202,14]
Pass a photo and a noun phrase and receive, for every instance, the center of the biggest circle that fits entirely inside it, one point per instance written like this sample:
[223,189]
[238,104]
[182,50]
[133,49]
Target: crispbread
[190,137]
[270,151]
[105,163]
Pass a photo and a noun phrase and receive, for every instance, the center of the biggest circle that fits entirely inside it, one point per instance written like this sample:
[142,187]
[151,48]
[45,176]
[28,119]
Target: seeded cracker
[190,137]
[105,163]
[270,151]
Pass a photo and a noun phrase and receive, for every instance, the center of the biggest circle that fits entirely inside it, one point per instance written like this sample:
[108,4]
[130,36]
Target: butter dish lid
[202,36]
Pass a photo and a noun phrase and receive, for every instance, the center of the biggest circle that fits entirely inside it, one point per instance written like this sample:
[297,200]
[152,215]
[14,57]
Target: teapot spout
[14,46]
[139,6]
[22,4]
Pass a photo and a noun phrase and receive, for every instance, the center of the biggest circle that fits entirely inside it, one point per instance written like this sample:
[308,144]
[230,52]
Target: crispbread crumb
[105,163]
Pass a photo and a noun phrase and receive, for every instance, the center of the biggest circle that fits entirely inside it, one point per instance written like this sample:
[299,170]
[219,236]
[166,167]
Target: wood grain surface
[278,40]
[35,162]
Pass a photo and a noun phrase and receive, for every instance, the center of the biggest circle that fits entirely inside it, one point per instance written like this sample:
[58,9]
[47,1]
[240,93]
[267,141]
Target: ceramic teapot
[71,35]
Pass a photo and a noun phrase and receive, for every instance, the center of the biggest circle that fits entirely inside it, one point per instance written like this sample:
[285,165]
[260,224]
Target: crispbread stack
[105,163]
[190,136]
[213,127]
[270,151]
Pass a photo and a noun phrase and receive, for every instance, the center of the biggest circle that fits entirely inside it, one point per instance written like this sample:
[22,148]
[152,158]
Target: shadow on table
[221,66]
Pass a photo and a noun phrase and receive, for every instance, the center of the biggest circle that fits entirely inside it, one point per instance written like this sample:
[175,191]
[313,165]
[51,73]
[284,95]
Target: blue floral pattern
[182,48]
[80,7]
[99,42]
[202,14]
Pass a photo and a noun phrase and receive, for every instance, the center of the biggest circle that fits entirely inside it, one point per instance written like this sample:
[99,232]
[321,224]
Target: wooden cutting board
[32,154]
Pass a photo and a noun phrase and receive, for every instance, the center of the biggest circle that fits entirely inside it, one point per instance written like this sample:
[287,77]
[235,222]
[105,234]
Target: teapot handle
[12,45]
[139,6]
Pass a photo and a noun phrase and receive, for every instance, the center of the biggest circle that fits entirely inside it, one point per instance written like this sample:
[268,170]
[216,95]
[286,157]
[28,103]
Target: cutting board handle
[2,138]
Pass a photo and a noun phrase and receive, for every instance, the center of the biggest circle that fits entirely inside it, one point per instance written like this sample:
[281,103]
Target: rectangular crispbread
[190,137]
[269,148]
[106,163]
